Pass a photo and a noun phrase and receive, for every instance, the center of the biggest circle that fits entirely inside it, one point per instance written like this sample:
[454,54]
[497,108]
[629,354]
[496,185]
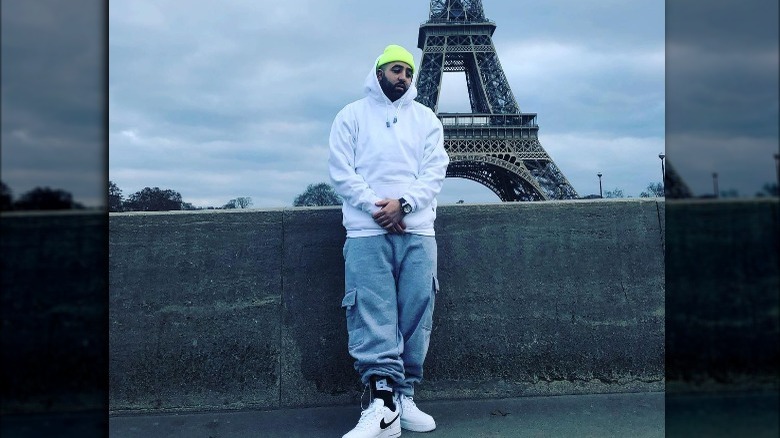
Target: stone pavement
[594,415]
[648,414]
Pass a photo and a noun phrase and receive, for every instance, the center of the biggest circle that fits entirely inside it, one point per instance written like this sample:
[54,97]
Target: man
[388,163]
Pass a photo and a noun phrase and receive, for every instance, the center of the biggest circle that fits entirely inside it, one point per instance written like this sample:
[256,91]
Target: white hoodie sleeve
[433,169]
[341,163]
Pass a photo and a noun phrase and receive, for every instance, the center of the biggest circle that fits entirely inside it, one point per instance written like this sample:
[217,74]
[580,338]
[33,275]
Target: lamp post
[601,195]
[715,183]
[663,172]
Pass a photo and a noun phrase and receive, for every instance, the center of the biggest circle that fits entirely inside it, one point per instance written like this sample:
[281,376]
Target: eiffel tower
[495,144]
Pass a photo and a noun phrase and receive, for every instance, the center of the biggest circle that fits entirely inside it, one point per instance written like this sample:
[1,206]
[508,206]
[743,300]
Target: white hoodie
[381,149]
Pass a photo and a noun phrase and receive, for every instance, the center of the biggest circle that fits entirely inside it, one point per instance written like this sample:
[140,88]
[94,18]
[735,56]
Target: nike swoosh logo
[383,425]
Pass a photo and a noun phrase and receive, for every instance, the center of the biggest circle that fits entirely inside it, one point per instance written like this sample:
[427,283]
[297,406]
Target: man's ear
[379,74]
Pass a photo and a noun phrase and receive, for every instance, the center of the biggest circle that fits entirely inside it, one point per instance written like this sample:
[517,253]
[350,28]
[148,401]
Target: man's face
[394,78]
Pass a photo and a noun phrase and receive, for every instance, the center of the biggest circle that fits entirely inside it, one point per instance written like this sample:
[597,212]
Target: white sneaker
[412,418]
[378,421]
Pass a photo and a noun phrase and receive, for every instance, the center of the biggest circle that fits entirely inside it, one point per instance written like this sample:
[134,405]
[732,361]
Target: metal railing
[465,120]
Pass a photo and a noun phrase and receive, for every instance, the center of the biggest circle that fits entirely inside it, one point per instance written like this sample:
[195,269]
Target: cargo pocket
[354,327]
[428,318]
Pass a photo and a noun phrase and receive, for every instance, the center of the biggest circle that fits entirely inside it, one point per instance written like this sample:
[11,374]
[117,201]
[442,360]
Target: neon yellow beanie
[395,53]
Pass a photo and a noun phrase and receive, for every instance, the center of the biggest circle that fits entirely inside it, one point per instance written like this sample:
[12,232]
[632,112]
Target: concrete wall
[218,328]
[54,311]
[240,309]
[723,294]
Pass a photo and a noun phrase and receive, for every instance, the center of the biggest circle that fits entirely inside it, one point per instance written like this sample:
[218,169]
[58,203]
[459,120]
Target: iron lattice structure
[496,144]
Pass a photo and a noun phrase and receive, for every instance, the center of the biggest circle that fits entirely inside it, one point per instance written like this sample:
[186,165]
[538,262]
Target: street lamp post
[715,183]
[663,172]
[601,195]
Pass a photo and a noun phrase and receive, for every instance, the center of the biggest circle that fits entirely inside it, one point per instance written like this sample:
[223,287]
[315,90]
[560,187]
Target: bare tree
[769,189]
[240,202]
[654,190]
[617,193]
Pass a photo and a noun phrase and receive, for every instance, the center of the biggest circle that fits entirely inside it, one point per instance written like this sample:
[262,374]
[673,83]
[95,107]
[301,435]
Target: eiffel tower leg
[499,95]
[429,80]
[477,97]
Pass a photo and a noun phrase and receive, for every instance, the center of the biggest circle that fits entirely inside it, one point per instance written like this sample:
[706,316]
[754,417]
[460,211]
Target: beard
[390,89]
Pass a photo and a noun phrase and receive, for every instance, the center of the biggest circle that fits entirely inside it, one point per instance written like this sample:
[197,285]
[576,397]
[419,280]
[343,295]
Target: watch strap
[406,208]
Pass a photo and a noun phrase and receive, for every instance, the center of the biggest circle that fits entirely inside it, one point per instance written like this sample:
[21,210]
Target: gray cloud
[237,100]
[722,93]
[723,25]
[52,97]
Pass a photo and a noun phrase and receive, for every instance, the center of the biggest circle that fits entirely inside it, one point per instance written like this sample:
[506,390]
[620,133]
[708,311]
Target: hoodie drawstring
[387,115]
[395,117]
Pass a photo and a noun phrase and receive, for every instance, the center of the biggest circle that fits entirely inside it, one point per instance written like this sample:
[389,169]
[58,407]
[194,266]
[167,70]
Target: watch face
[407,208]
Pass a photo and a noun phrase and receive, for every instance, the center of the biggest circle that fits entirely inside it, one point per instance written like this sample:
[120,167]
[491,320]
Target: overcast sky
[722,93]
[218,100]
[52,97]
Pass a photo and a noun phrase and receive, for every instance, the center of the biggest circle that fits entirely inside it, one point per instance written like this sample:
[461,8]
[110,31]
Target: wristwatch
[406,207]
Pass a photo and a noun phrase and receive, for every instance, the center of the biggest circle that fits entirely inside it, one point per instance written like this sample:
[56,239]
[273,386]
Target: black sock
[381,387]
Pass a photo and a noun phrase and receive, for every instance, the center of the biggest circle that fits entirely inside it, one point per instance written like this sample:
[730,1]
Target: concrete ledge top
[444,206]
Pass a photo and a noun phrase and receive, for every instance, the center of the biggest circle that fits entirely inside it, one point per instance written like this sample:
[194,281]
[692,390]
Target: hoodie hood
[373,90]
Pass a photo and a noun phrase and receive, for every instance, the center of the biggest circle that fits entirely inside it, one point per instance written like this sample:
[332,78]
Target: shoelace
[405,402]
[366,417]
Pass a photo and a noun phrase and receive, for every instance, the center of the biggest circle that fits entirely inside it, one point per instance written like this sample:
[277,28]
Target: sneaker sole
[417,427]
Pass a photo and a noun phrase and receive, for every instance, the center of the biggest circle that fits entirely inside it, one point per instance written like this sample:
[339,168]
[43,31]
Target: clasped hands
[390,217]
